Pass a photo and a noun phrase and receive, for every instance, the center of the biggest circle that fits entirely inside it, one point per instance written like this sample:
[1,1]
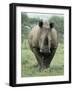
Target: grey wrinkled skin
[43,42]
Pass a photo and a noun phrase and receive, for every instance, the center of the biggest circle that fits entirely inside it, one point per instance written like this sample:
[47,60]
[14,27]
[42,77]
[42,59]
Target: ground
[29,62]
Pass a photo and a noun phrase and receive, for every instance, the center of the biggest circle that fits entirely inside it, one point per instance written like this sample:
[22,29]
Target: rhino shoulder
[54,37]
[34,36]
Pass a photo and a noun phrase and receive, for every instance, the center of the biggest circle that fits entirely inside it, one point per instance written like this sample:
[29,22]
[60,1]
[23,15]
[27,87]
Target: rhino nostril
[41,50]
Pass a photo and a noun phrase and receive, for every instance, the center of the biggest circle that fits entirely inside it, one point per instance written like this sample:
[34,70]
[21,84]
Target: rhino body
[43,42]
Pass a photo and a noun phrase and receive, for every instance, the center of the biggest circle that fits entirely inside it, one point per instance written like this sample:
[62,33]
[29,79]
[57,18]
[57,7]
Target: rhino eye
[40,24]
[51,25]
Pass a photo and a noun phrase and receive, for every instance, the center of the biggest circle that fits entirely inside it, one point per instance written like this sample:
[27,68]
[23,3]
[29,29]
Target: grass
[29,63]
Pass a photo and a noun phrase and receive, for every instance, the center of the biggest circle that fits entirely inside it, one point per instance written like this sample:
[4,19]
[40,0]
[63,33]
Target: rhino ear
[51,25]
[41,24]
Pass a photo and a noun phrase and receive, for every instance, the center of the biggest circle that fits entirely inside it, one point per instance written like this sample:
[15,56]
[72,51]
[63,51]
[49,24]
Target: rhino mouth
[45,51]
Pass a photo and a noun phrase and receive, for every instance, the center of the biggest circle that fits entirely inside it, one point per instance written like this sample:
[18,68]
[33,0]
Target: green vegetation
[29,63]
[28,60]
[59,25]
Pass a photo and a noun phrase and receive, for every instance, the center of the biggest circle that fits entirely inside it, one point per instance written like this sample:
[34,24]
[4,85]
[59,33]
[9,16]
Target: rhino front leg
[40,59]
